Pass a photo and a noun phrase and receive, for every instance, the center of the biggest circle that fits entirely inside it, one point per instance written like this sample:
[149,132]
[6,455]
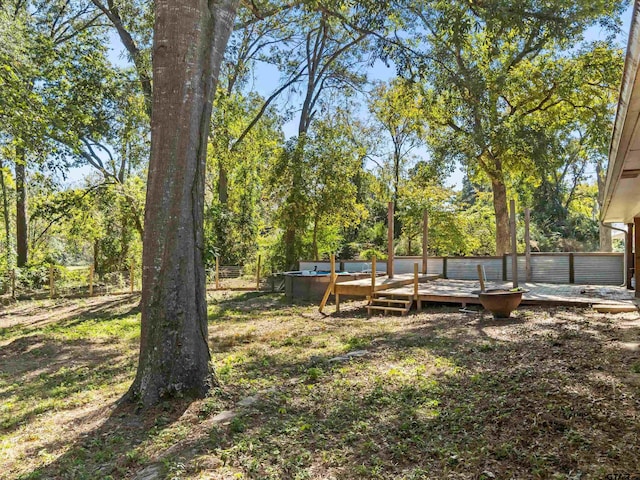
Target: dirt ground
[550,393]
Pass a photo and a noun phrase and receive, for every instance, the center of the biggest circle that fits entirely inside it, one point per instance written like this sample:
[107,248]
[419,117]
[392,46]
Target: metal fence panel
[405,265]
[362,266]
[321,266]
[589,268]
[434,265]
[461,268]
[549,268]
[522,269]
[599,269]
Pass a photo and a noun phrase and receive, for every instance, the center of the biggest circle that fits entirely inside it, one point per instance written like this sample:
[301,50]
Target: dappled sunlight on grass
[438,394]
[50,370]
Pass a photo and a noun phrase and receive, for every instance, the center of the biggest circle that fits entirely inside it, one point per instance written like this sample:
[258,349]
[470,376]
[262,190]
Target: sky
[266,79]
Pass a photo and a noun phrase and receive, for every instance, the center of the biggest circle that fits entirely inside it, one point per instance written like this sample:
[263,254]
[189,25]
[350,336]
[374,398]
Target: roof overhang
[622,188]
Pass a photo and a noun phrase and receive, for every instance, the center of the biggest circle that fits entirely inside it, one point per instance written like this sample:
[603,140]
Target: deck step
[389,301]
[387,309]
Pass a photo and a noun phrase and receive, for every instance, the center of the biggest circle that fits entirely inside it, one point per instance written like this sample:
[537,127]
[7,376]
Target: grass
[549,394]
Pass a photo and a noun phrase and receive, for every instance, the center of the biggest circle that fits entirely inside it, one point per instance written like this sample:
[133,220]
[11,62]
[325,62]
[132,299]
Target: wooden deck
[363,288]
[461,292]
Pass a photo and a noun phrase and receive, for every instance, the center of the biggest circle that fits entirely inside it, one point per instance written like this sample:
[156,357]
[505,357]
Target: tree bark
[223,184]
[96,251]
[5,211]
[606,243]
[190,37]
[113,14]
[22,246]
[502,216]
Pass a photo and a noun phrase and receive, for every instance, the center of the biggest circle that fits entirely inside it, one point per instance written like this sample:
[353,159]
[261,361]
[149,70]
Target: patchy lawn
[552,393]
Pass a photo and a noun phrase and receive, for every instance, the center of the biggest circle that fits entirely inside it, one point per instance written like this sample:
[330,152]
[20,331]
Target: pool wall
[312,287]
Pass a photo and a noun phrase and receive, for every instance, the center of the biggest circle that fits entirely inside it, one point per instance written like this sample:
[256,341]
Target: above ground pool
[308,285]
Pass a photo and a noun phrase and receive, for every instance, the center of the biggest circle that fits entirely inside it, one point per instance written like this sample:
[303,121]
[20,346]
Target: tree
[58,40]
[16,80]
[450,230]
[398,109]
[573,140]
[327,191]
[490,69]
[190,37]
[328,61]
[132,20]
[236,176]
[246,134]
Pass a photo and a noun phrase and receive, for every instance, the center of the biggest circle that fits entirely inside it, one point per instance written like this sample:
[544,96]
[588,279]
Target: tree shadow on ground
[552,392]
[40,374]
[514,399]
[110,450]
[243,304]
[48,376]
[67,314]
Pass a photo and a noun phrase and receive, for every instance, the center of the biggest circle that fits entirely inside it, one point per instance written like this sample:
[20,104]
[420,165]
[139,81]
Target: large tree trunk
[502,216]
[22,246]
[190,37]
[606,243]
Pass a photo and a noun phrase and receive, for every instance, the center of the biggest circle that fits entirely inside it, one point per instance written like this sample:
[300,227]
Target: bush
[32,277]
[370,252]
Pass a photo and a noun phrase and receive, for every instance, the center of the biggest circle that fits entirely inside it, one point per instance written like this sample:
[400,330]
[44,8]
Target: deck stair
[396,304]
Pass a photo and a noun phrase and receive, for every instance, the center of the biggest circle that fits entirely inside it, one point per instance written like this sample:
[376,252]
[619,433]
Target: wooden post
[527,243]
[272,277]
[390,241]
[332,274]
[416,296]
[636,261]
[333,281]
[52,287]
[258,274]
[481,277]
[373,276]
[331,287]
[514,244]
[91,267]
[504,268]
[572,270]
[217,272]
[628,248]
[425,240]
[132,277]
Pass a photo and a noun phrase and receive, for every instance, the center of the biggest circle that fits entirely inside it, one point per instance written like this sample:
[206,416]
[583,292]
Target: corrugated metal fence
[578,268]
